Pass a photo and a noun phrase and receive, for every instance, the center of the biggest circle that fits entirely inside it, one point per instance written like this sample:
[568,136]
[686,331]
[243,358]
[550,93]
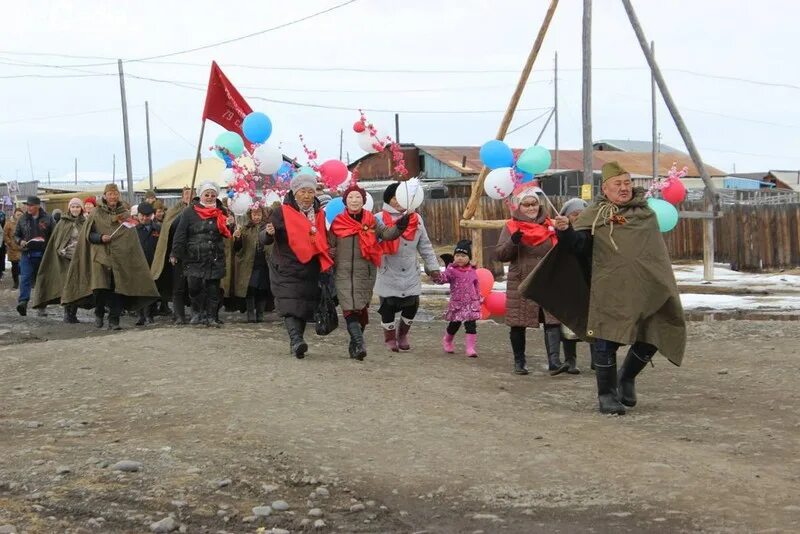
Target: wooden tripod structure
[471,218]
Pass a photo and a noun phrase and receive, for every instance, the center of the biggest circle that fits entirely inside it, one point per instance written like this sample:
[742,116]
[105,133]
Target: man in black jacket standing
[32,233]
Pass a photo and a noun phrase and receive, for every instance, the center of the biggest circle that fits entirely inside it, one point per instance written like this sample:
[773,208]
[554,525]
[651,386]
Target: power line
[220,43]
[170,128]
[65,115]
[521,126]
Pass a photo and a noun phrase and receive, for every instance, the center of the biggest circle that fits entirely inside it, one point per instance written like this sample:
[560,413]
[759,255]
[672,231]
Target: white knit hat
[205,186]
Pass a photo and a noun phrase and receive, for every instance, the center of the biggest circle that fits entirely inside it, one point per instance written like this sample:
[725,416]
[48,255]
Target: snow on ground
[762,303]
[725,277]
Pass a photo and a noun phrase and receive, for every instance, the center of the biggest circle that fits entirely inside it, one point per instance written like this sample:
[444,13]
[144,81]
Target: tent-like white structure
[179,174]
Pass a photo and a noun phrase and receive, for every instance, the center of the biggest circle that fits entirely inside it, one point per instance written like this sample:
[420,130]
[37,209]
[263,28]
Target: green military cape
[633,295]
[123,257]
[245,257]
[53,269]
[162,247]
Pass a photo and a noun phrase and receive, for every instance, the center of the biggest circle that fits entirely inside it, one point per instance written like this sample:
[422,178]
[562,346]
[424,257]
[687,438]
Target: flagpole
[197,157]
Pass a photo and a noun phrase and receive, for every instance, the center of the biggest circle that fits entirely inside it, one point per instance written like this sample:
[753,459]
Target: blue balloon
[230,193]
[333,208]
[257,127]
[285,172]
[526,177]
[228,161]
[495,154]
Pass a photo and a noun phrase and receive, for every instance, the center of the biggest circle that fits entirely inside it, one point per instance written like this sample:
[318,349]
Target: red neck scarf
[222,220]
[391,247]
[344,226]
[307,241]
[533,234]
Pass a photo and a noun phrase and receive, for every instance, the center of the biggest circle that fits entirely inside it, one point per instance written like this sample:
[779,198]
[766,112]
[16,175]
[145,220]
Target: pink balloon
[496,303]
[333,172]
[485,281]
[674,192]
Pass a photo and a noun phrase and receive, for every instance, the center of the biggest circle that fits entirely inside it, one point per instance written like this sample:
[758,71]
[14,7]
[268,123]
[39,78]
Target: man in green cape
[109,264]
[610,281]
[169,278]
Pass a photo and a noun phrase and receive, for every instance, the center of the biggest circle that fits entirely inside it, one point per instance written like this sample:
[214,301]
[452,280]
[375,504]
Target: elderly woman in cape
[199,243]
[250,264]
[300,253]
[57,257]
[355,240]
[398,283]
[109,264]
[170,279]
[525,239]
[610,280]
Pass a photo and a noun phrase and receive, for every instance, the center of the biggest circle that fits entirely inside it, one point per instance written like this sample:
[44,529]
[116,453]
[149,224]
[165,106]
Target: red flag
[224,104]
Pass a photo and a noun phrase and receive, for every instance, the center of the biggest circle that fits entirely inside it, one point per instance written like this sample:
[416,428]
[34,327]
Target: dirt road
[223,421]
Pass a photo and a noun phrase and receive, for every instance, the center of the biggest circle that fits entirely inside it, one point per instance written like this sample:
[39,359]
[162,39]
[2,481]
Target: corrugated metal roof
[637,163]
[626,145]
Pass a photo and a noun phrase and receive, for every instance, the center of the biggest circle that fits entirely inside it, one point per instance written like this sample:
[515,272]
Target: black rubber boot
[22,308]
[71,314]
[212,309]
[571,355]
[552,343]
[261,305]
[606,373]
[251,309]
[358,350]
[142,318]
[67,315]
[179,310]
[517,336]
[631,367]
[296,328]
[99,311]
[592,355]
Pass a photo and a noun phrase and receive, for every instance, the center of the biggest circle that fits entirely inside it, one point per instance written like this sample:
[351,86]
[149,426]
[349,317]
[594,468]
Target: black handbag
[325,316]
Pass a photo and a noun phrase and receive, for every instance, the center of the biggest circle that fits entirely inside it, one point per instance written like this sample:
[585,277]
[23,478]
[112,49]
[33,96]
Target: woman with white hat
[199,243]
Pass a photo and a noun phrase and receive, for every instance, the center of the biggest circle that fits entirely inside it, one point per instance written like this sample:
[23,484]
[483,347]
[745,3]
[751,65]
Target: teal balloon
[535,160]
[232,142]
[333,208]
[666,214]
[305,170]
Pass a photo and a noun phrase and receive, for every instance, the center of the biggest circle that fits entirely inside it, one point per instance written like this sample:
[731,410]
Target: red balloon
[674,192]
[485,313]
[333,172]
[359,127]
[485,281]
[496,303]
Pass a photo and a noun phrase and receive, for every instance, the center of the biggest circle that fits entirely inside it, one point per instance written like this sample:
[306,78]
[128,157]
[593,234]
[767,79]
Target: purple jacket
[465,298]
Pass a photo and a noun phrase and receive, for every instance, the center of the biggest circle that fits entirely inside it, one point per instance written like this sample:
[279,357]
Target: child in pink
[465,299]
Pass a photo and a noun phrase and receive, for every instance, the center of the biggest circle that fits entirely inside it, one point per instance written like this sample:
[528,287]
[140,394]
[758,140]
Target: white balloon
[227,176]
[410,194]
[240,203]
[271,198]
[367,141]
[499,183]
[370,203]
[269,159]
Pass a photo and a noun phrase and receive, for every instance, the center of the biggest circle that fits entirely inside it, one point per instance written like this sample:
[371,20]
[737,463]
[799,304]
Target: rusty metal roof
[638,163]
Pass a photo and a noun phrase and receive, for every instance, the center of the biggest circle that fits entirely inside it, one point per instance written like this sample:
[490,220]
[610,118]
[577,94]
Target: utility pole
[48,174]
[588,174]
[555,106]
[30,161]
[397,128]
[76,171]
[655,125]
[341,143]
[114,168]
[149,154]
[127,136]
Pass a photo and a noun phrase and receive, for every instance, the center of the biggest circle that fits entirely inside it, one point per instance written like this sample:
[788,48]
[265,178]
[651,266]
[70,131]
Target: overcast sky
[754,126]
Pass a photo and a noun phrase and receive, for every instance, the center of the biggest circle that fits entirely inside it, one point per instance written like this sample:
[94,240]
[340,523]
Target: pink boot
[470,341]
[390,336]
[402,334]
[447,343]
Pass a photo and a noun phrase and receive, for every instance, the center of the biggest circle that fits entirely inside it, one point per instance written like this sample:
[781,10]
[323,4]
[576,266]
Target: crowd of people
[602,269]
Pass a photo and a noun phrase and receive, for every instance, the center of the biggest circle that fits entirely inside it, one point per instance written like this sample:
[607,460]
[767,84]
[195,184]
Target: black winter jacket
[199,244]
[28,228]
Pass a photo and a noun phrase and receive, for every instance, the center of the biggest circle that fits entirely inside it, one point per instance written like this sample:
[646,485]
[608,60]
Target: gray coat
[398,275]
[355,276]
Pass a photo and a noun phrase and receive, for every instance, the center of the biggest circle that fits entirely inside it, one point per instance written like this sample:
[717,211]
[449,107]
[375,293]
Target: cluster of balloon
[494,302]
[410,194]
[506,172]
[673,192]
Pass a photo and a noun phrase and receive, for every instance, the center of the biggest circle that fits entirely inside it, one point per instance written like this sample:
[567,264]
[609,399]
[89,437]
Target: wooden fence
[748,237]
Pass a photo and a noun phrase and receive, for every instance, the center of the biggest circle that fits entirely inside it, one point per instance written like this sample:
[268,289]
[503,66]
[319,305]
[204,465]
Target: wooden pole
[541,133]
[655,118]
[341,142]
[197,157]
[711,194]
[397,127]
[477,187]
[76,171]
[126,133]
[149,152]
[114,168]
[588,171]
[555,107]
